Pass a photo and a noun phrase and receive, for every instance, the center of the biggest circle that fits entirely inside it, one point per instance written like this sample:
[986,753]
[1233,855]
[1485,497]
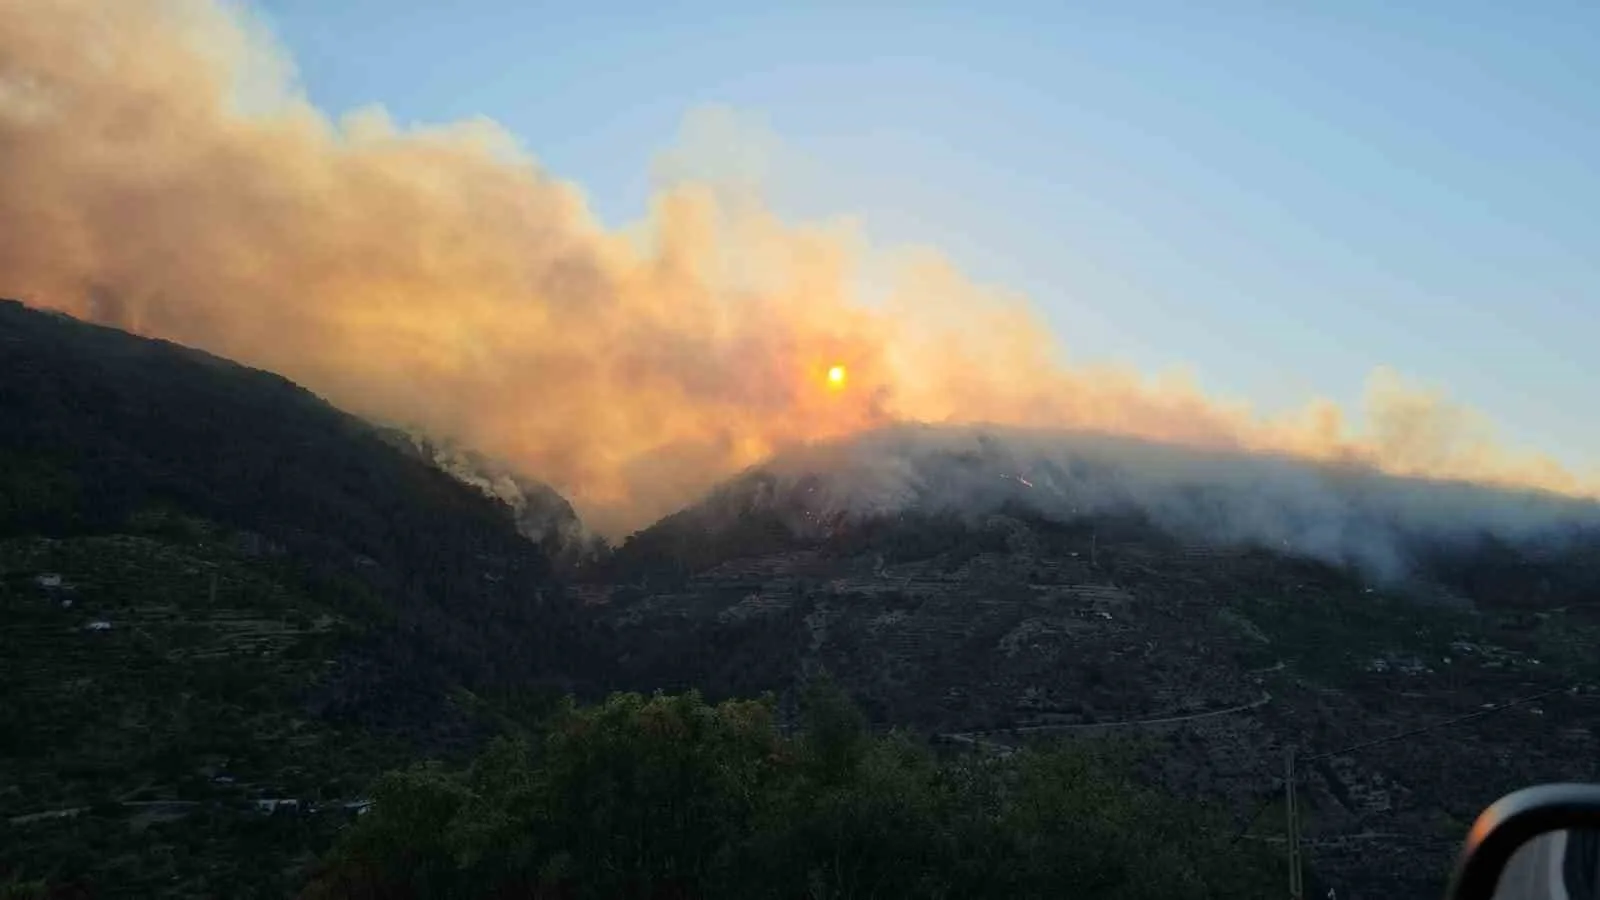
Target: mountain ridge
[221,590]
[294,599]
[1433,538]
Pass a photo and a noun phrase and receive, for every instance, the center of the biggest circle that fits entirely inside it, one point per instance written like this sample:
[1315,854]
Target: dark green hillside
[217,589]
[100,427]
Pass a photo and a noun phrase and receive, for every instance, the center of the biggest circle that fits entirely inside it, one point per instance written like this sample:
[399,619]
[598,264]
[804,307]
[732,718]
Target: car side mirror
[1539,843]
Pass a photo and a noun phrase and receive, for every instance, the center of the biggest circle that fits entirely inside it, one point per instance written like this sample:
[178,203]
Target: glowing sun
[836,377]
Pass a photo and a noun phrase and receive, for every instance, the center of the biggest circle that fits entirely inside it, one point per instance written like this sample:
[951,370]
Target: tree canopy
[669,796]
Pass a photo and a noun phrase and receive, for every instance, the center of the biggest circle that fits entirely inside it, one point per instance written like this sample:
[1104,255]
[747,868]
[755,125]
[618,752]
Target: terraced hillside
[1025,630]
[157,708]
[220,593]
[228,606]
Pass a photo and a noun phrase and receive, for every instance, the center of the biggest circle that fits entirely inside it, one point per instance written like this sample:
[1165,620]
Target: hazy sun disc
[836,377]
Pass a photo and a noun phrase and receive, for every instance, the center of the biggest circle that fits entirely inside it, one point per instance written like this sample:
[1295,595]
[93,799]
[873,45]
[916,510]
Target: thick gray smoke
[1346,515]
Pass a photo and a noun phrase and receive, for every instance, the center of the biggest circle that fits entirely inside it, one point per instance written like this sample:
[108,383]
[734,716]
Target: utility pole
[1291,832]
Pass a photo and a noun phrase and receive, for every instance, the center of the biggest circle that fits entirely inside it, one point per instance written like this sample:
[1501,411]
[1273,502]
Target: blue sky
[1276,196]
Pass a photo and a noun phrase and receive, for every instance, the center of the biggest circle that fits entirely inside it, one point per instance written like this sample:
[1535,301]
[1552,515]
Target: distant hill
[912,489]
[217,587]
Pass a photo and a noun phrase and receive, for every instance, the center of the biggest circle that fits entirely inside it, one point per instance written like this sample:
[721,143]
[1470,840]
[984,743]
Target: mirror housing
[1511,823]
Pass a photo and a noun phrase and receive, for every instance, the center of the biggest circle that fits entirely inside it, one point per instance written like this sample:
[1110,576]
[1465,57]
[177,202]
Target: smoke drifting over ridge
[159,172]
[1348,516]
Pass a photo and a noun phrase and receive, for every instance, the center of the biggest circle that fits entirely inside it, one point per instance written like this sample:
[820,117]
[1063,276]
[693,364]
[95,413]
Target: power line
[1265,802]
[1291,831]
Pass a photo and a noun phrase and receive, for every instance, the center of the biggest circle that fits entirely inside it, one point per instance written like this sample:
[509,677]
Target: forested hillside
[220,591]
[256,647]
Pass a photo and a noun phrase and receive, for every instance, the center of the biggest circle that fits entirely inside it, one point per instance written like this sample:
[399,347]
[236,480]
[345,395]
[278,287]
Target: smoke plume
[1349,516]
[159,171]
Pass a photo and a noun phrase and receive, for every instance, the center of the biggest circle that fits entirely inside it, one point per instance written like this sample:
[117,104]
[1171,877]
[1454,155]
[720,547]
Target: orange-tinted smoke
[158,172]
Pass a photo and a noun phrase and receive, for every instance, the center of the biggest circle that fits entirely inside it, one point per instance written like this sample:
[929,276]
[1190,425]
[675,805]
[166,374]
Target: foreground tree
[669,796]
